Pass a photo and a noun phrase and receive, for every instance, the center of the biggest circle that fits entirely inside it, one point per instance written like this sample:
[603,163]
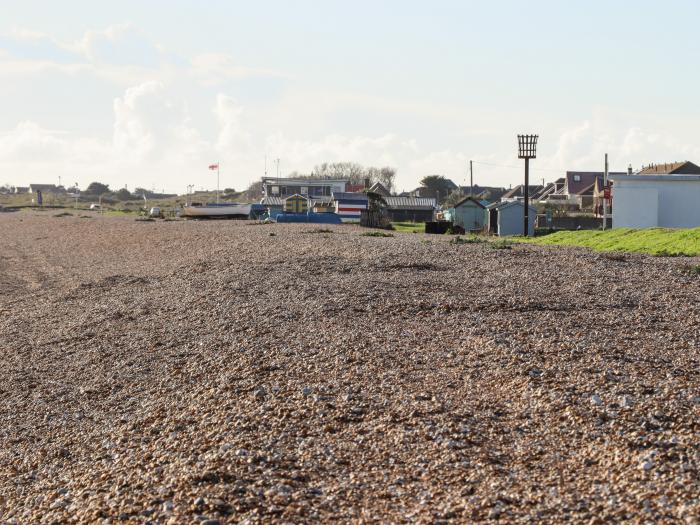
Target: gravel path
[223,372]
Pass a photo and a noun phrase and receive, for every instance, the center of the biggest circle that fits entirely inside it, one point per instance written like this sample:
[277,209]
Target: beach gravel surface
[212,373]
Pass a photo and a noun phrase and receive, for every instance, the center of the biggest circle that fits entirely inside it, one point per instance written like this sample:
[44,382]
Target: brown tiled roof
[671,168]
[585,182]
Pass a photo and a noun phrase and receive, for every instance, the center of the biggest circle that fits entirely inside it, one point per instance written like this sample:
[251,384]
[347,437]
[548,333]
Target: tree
[436,186]
[254,191]
[229,190]
[97,188]
[140,192]
[453,198]
[386,177]
[340,170]
[123,195]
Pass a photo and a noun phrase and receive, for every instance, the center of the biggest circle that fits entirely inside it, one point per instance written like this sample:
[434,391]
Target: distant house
[379,188]
[489,193]
[663,195]
[672,168]
[578,188]
[349,205]
[313,188]
[46,188]
[517,193]
[415,209]
[506,218]
[21,189]
[428,193]
[469,214]
[599,197]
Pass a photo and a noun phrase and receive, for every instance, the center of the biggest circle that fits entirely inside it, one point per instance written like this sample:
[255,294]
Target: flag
[214,166]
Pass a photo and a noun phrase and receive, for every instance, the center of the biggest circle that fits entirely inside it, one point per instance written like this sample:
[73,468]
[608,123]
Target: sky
[135,93]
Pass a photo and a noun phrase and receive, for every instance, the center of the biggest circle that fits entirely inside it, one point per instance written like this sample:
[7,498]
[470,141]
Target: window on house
[577,178]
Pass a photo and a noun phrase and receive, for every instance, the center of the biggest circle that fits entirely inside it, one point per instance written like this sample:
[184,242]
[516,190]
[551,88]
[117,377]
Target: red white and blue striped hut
[350,205]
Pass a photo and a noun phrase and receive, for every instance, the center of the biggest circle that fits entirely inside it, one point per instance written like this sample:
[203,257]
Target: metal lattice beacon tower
[527,149]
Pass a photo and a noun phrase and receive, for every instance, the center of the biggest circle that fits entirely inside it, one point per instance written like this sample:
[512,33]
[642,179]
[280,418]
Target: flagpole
[217,181]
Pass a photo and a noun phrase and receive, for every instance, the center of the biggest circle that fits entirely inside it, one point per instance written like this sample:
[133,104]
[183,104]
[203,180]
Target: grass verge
[409,227]
[654,241]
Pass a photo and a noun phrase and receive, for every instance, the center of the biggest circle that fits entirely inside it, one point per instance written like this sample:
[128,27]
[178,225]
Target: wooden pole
[605,201]
[471,179]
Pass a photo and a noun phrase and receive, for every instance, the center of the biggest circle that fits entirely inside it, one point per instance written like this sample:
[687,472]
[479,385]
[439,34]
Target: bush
[376,234]
[692,269]
[466,240]
[502,245]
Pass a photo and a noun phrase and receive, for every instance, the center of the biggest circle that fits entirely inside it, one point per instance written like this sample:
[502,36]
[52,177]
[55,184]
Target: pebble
[206,350]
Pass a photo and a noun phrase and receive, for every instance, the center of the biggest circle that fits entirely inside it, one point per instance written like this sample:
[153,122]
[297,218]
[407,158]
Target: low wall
[571,223]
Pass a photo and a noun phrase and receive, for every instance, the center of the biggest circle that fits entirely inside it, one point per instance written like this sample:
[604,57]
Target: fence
[374,219]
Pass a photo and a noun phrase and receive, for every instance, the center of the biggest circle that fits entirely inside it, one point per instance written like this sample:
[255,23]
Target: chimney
[629,169]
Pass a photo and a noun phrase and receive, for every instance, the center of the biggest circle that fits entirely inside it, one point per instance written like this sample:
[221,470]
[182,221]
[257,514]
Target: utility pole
[471,179]
[277,160]
[605,190]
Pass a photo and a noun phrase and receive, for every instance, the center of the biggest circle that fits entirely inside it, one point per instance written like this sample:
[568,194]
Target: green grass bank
[654,241]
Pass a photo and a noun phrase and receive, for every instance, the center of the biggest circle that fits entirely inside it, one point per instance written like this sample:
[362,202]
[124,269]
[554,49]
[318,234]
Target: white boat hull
[217,211]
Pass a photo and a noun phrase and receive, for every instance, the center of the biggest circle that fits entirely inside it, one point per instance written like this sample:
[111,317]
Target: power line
[517,167]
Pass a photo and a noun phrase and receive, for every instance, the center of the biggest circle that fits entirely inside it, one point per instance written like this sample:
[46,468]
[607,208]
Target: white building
[647,201]
[313,188]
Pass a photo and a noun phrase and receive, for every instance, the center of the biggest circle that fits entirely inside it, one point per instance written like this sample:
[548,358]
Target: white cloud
[155,136]
[216,68]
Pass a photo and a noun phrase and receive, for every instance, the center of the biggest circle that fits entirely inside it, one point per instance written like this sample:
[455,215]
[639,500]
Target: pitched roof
[378,187]
[672,168]
[410,203]
[494,192]
[585,182]
[272,200]
[518,191]
[503,205]
[43,187]
[350,196]
[469,198]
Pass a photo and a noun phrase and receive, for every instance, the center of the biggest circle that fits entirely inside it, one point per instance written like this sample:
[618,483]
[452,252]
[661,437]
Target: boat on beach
[223,210]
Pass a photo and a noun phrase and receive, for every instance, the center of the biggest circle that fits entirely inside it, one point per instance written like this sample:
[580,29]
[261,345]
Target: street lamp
[527,149]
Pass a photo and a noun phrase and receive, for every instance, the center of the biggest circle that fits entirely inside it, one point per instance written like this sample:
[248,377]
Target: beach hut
[469,214]
[296,204]
[350,205]
[506,218]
